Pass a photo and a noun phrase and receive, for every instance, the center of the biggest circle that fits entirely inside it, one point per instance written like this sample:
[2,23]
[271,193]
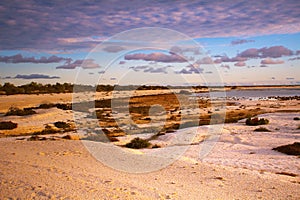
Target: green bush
[255,121]
[8,125]
[20,112]
[138,143]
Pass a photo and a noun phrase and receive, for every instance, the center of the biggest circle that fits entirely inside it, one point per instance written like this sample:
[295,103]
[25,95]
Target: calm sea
[254,94]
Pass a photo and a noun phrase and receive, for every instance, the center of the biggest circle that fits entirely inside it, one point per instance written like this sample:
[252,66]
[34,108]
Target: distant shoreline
[58,88]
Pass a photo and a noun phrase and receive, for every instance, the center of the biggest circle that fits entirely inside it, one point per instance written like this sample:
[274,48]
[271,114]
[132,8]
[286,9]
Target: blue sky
[238,42]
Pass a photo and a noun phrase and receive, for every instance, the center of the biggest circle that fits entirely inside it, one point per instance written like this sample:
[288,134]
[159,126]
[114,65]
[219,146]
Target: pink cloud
[269,61]
[240,64]
[85,64]
[158,57]
[272,52]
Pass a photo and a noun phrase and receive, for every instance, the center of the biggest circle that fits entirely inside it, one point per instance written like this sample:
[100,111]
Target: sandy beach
[240,164]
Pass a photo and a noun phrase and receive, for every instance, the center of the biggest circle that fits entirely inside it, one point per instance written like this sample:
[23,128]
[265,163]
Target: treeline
[38,88]
[35,88]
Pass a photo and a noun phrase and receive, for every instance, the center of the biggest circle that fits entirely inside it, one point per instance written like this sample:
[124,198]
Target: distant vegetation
[8,125]
[19,112]
[38,88]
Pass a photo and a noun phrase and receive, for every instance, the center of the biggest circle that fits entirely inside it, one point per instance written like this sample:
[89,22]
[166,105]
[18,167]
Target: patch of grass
[256,121]
[262,129]
[9,125]
[19,112]
[138,143]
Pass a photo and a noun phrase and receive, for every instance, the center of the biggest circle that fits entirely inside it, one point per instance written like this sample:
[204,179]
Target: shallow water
[253,94]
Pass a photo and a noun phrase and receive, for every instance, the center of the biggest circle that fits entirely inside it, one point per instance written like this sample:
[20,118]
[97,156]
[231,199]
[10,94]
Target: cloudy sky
[194,42]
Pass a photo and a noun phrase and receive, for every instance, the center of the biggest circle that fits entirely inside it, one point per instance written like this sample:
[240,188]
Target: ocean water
[253,94]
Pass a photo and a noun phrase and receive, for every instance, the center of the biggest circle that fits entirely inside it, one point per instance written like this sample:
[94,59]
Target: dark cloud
[158,57]
[18,58]
[272,52]
[35,76]
[101,72]
[269,61]
[122,62]
[240,41]
[290,78]
[45,24]
[85,64]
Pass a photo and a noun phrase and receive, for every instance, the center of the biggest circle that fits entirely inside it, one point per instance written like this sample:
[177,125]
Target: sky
[222,42]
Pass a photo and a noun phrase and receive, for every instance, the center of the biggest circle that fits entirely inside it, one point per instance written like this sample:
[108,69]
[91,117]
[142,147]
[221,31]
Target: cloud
[156,70]
[295,58]
[181,50]
[139,68]
[85,64]
[48,25]
[113,49]
[18,58]
[158,57]
[272,52]
[149,69]
[240,64]
[190,69]
[35,76]
[269,61]
[240,41]
[122,62]
[227,59]
[205,60]
[264,65]
[225,66]
[290,78]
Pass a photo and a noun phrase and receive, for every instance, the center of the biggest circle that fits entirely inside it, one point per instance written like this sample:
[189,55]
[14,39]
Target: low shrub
[63,125]
[47,105]
[19,112]
[262,129]
[8,125]
[66,106]
[255,121]
[138,143]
